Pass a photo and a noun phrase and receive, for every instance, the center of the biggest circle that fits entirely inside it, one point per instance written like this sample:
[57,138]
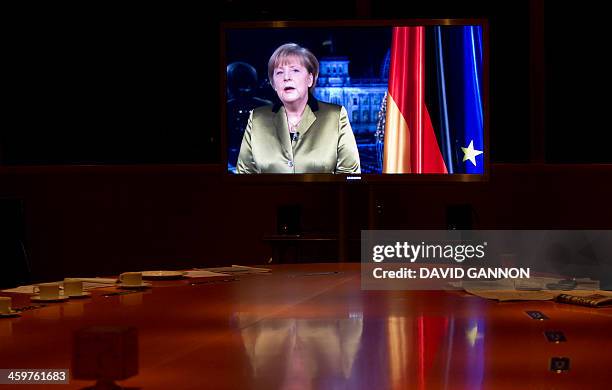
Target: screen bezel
[366,177]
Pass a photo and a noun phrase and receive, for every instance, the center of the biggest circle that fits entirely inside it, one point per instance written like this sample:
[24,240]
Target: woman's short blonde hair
[308,60]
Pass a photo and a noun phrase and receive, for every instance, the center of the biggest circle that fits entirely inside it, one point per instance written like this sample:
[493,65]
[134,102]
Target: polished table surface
[310,326]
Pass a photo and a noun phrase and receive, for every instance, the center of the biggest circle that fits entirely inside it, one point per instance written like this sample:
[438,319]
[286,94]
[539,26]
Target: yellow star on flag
[470,153]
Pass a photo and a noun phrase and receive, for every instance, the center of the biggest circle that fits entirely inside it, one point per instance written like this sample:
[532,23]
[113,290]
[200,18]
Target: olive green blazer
[325,142]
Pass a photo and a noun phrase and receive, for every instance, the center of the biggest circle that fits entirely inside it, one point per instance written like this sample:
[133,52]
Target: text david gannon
[451,273]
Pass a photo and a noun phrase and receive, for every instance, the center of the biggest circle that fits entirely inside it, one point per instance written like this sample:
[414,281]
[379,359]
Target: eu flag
[455,96]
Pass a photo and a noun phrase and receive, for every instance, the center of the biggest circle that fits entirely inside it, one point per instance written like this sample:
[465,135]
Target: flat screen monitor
[356,100]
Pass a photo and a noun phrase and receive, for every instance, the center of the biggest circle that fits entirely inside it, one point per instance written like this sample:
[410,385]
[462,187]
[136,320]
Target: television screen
[370,99]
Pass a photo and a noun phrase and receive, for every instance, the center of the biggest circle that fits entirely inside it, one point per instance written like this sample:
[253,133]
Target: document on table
[88,284]
[203,274]
[513,295]
[237,269]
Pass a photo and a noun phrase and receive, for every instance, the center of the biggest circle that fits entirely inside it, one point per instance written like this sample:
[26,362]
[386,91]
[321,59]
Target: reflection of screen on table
[414,95]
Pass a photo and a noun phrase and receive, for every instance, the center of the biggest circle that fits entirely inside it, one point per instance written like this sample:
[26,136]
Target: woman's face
[292,80]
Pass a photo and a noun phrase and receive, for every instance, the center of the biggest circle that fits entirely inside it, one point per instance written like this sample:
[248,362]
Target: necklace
[293,126]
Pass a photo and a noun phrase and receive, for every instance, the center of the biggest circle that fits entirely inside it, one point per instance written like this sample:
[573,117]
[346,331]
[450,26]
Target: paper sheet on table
[237,269]
[20,290]
[88,284]
[203,274]
[533,283]
[513,295]
[99,280]
[487,285]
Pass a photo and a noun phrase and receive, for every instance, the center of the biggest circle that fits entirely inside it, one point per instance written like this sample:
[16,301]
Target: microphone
[295,136]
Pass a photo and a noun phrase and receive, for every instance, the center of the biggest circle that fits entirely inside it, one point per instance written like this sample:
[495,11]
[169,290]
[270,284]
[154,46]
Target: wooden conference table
[310,326]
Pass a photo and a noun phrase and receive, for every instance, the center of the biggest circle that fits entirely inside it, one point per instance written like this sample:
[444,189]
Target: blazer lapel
[282,131]
[308,119]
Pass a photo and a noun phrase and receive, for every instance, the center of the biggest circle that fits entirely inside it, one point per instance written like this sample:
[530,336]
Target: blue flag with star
[454,95]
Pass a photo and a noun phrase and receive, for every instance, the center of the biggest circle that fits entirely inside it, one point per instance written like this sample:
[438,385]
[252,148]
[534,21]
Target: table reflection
[51,312]
[74,309]
[6,328]
[434,352]
[296,353]
[399,352]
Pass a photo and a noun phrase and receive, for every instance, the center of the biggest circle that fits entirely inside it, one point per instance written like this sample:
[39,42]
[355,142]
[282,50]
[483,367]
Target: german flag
[441,68]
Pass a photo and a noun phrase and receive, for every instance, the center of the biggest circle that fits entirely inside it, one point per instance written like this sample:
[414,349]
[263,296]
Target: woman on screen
[301,134]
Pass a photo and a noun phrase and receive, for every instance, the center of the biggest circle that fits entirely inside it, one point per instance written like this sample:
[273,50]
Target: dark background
[108,85]
[141,84]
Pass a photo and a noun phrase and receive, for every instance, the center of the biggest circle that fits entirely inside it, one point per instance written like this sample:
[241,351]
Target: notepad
[592,298]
